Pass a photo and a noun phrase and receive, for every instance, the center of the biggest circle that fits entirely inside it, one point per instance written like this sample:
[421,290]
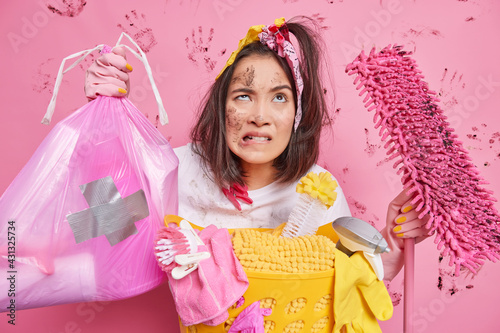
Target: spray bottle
[357,235]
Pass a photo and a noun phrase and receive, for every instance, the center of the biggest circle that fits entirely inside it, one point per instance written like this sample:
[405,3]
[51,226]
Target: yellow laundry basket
[300,302]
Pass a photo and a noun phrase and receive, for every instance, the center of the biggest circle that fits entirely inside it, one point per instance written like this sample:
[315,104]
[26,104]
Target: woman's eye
[243,97]
[280,98]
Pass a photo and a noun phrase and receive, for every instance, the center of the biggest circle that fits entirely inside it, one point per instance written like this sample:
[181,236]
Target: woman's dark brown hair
[209,133]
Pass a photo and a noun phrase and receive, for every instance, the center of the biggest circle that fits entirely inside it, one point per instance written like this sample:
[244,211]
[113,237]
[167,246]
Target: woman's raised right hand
[108,75]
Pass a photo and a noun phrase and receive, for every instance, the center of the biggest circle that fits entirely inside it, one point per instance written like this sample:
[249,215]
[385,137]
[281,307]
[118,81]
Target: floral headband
[276,37]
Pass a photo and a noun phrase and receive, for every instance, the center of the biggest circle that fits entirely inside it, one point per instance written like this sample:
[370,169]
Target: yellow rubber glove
[359,297]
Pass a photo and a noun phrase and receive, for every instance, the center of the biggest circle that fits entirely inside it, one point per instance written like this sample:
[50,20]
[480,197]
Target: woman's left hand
[403,221]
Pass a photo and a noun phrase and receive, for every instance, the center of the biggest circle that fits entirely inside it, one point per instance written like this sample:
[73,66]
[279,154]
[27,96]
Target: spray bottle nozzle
[358,235]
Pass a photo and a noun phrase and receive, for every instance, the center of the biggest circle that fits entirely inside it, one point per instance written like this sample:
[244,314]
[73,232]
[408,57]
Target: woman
[257,134]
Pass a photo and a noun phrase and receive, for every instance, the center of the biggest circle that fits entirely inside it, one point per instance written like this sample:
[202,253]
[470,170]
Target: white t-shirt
[201,202]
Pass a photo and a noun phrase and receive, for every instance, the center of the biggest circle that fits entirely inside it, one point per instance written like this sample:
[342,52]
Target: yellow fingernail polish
[396,229]
[407,209]
[122,91]
[129,67]
[401,219]
[400,235]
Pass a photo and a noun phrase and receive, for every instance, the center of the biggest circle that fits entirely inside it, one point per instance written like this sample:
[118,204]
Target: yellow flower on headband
[251,36]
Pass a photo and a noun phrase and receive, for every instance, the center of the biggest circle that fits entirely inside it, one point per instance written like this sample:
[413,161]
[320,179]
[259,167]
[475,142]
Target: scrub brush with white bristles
[317,194]
[172,241]
[176,249]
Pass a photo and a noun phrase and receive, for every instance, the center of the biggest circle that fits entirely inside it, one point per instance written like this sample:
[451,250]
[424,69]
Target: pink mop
[434,166]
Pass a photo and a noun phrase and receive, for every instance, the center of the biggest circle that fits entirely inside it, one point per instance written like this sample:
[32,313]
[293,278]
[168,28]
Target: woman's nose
[260,115]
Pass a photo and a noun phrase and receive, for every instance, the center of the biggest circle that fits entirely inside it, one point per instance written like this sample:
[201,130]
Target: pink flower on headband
[280,39]
[273,28]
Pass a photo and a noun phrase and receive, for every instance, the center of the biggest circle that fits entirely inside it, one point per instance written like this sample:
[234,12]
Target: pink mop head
[433,164]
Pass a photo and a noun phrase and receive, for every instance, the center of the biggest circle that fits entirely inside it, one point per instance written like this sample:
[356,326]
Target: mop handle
[409,255]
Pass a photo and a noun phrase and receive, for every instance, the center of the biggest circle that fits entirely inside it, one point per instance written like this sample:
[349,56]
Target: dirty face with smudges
[260,111]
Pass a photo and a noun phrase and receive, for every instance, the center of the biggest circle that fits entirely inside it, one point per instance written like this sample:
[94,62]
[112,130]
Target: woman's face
[260,110]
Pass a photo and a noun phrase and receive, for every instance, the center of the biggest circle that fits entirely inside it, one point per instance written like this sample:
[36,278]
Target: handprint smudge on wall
[199,52]
[447,93]
[135,26]
[69,8]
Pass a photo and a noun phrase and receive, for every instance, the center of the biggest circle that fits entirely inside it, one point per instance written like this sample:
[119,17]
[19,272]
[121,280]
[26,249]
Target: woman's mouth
[256,138]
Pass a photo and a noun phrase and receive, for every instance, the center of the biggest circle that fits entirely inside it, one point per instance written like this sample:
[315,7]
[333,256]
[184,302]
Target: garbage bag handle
[83,54]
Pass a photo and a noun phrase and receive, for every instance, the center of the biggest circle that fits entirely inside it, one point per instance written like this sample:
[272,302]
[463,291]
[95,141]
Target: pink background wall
[188,41]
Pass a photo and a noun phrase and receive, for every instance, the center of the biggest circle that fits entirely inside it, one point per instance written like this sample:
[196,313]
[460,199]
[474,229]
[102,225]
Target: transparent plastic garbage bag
[79,220]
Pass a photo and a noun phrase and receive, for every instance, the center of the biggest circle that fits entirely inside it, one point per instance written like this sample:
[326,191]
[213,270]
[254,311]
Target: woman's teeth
[256,138]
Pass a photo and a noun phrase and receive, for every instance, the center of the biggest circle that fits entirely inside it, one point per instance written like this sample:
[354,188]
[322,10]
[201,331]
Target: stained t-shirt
[203,203]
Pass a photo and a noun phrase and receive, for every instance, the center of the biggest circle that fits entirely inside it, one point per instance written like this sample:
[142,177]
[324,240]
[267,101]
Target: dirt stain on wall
[68,8]
[452,85]
[200,51]
[136,26]
[43,80]
[483,138]
[370,148]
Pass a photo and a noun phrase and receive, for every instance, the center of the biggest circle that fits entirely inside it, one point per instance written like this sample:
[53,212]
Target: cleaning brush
[177,249]
[172,241]
[317,194]
[434,167]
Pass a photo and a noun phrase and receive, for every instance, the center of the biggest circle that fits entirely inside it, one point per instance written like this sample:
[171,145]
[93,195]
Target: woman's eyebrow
[250,90]
[242,90]
[280,87]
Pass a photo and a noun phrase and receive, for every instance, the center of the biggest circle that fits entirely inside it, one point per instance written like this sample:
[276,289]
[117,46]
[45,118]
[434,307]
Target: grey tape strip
[109,214]
[100,191]
[119,235]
